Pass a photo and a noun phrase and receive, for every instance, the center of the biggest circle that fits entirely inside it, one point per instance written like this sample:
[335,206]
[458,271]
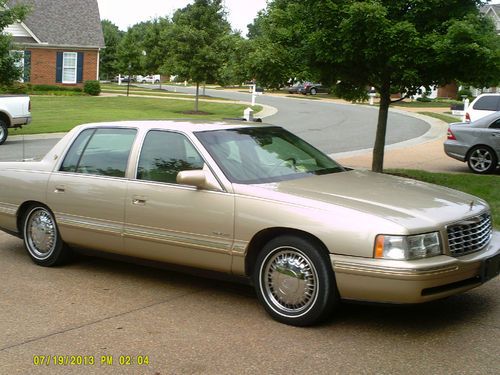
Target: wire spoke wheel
[294,280]
[290,280]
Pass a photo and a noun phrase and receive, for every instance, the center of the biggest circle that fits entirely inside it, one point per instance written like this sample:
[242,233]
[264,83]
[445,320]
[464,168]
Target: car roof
[183,125]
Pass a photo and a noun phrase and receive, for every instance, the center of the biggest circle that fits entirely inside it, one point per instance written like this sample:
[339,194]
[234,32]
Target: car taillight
[467,117]
[29,105]
[450,135]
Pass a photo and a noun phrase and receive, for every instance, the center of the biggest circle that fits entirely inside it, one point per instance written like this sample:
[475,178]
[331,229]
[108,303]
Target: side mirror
[199,178]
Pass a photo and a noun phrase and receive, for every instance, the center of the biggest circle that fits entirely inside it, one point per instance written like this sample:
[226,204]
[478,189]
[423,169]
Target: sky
[126,13]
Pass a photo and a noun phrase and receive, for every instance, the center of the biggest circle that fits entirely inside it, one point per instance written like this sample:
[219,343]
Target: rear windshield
[488,103]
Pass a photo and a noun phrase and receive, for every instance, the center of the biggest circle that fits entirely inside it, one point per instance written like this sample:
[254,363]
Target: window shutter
[59,66]
[27,66]
[79,69]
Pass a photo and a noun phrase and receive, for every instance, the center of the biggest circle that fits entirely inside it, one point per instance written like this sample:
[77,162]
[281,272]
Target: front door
[175,223]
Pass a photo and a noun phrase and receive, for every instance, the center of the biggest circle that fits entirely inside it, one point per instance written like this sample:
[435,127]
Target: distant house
[59,41]
[493,11]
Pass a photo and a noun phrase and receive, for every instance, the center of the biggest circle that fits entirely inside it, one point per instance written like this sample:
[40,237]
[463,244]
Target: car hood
[413,204]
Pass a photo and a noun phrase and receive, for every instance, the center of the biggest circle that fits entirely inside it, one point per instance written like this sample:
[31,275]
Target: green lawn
[431,104]
[485,187]
[60,114]
[446,118]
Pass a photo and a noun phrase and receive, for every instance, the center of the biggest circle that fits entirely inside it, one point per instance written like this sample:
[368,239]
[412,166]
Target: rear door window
[100,152]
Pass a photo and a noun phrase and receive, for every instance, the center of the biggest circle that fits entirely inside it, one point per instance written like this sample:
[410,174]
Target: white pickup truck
[15,111]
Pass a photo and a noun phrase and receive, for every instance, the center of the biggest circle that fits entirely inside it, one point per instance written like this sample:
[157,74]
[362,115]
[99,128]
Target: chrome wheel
[482,160]
[289,281]
[4,132]
[40,233]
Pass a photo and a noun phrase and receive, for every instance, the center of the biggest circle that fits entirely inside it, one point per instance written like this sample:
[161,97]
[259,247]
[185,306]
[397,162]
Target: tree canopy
[392,45]
[10,69]
[108,56]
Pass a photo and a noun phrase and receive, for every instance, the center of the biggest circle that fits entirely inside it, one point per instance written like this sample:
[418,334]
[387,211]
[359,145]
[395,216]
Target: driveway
[190,325]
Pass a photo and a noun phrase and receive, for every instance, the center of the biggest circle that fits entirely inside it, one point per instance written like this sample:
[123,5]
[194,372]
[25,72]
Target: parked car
[148,79]
[15,111]
[477,143]
[312,88]
[124,79]
[254,201]
[294,89]
[482,105]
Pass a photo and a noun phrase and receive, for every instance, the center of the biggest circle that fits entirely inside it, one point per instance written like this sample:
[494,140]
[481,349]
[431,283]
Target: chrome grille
[469,236]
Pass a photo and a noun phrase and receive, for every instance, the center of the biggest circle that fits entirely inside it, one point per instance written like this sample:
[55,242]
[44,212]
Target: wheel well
[5,118]
[22,210]
[264,236]
[476,146]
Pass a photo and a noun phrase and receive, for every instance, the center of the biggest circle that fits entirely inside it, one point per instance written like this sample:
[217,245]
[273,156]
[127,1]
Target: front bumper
[390,281]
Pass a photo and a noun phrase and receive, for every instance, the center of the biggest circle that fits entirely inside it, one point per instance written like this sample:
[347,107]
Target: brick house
[59,41]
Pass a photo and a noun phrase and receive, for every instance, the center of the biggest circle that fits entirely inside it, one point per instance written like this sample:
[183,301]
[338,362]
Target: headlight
[407,247]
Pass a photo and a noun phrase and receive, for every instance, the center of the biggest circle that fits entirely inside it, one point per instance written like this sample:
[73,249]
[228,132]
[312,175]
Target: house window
[69,67]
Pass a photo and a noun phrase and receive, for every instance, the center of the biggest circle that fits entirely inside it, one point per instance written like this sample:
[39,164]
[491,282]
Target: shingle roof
[64,22]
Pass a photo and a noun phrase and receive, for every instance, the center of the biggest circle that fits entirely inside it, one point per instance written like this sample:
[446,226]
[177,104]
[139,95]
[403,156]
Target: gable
[63,22]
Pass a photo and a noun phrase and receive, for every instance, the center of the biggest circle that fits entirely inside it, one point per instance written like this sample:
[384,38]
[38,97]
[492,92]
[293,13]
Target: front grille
[469,236]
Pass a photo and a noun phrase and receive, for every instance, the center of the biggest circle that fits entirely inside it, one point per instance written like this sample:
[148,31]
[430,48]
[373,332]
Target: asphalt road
[331,127]
[96,308]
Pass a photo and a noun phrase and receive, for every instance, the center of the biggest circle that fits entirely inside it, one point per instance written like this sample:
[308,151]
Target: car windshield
[267,154]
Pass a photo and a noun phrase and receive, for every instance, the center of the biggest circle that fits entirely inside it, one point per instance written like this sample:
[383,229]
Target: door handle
[139,201]
[59,189]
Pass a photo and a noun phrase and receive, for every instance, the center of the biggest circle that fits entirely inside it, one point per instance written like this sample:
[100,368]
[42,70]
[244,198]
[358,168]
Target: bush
[464,92]
[92,88]
[55,88]
[424,99]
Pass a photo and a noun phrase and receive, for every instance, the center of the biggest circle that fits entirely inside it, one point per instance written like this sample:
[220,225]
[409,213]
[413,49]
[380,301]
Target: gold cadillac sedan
[253,201]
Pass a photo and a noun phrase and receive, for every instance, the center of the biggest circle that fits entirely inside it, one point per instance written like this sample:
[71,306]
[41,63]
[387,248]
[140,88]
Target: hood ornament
[471,205]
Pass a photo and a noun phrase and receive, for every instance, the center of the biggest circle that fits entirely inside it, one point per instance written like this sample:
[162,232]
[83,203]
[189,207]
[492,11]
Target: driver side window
[164,154]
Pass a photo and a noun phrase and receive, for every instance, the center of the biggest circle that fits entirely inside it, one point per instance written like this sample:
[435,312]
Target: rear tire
[42,239]
[313,91]
[4,132]
[294,280]
[482,160]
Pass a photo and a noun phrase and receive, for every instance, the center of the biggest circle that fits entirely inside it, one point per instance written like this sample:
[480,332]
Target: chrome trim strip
[9,209]
[106,226]
[189,240]
[349,267]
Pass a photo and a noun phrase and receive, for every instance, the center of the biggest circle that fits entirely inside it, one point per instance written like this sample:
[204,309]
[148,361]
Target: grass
[485,187]
[442,117]
[61,114]
[432,104]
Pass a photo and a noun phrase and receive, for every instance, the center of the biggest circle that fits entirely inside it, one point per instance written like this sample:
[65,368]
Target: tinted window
[488,103]
[164,154]
[495,124]
[100,152]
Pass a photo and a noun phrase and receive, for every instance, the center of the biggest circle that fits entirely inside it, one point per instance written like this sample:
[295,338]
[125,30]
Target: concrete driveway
[110,311]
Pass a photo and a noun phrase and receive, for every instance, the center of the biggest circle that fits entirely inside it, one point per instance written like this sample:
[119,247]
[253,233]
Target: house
[59,41]
[493,11]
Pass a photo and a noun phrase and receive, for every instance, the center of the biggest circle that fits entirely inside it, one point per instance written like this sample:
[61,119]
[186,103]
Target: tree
[109,55]
[10,69]
[193,43]
[397,46]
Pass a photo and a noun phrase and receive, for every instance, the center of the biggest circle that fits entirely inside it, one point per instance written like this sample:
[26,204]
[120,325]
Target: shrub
[55,88]
[464,92]
[92,88]
[424,99]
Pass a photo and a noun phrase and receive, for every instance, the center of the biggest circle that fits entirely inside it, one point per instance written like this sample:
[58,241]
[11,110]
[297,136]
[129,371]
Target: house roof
[68,23]
[495,7]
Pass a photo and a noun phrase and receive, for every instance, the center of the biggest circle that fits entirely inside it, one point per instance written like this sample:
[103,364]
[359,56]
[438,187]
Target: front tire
[482,160]
[42,239]
[4,132]
[294,281]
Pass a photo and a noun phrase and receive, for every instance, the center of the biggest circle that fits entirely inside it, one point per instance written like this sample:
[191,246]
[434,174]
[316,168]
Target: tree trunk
[379,147]
[197,96]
